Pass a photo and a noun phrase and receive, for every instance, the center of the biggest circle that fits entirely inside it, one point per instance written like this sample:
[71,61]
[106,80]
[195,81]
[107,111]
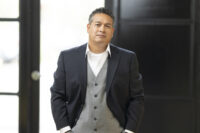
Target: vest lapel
[112,66]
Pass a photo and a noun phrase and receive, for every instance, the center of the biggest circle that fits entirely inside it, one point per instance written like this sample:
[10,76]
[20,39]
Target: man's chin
[101,42]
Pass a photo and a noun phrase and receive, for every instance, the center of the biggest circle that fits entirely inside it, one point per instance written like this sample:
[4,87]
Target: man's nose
[102,28]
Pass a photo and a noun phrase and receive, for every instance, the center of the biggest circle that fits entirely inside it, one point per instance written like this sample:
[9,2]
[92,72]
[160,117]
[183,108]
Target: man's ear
[113,30]
[88,27]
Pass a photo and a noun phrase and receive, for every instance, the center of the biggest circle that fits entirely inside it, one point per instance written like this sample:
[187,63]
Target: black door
[164,36]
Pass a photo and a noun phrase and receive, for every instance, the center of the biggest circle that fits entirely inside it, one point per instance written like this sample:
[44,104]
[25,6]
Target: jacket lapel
[113,62]
[112,66]
[83,71]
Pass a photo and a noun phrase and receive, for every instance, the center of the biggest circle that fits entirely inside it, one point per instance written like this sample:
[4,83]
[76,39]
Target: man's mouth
[101,36]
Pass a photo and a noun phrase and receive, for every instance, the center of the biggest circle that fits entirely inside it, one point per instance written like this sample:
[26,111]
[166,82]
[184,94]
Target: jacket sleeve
[136,102]
[58,96]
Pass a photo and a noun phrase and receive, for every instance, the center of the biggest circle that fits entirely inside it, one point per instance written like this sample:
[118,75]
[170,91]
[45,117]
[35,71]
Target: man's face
[100,29]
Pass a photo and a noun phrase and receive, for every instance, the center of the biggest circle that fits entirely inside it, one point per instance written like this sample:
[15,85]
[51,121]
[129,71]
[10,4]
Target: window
[9,66]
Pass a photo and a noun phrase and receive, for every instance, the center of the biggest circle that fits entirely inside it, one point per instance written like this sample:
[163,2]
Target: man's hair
[101,10]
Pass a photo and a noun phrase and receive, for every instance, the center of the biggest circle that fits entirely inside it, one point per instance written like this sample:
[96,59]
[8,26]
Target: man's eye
[108,26]
[97,24]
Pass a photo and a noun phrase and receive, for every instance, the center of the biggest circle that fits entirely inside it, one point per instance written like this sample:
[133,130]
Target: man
[97,86]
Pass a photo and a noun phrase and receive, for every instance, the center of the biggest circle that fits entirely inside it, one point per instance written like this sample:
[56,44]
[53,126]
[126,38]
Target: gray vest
[96,117]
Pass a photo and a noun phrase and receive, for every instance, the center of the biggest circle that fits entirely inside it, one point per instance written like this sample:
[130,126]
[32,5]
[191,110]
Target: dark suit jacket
[125,96]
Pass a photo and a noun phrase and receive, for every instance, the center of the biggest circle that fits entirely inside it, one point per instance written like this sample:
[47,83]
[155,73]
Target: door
[164,34]
[19,57]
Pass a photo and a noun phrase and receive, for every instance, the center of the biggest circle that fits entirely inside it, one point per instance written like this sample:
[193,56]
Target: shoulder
[122,51]
[74,50]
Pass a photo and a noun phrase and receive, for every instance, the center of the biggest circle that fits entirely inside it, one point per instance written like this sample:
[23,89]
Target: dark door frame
[29,58]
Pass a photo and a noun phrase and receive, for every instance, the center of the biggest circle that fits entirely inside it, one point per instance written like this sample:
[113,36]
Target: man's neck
[97,48]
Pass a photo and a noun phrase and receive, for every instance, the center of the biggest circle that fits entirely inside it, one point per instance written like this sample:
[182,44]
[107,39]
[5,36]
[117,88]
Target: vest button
[95,84]
[95,107]
[95,95]
[95,129]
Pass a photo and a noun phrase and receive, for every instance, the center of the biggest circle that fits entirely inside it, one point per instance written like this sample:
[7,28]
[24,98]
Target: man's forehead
[102,15]
[102,18]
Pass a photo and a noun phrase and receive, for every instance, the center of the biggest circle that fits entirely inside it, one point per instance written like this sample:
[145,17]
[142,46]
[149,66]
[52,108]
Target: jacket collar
[113,62]
[88,49]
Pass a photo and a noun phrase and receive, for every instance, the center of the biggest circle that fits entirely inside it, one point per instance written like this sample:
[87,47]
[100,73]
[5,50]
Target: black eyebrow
[97,22]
